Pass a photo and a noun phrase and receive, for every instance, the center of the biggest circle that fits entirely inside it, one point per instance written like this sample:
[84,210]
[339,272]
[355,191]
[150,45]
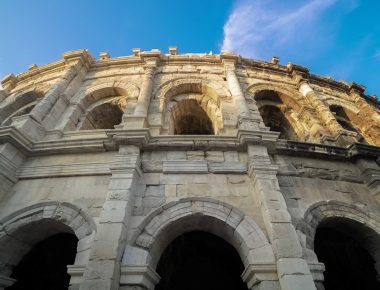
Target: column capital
[9,82]
[298,72]
[356,89]
[151,58]
[80,55]
[149,69]
[229,58]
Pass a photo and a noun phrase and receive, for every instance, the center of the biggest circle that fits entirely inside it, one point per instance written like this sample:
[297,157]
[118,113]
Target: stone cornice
[171,59]
[356,150]
[110,140]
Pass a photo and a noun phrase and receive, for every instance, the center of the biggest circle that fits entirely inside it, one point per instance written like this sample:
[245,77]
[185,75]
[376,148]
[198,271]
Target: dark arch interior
[342,118]
[276,121]
[105,116]
[272,116]
[202,261]
[23,111]
[189,118]
[341,247]
[268,95]
[45,266]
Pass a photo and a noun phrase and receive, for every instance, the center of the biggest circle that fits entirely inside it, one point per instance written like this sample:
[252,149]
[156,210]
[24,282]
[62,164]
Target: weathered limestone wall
[90,146]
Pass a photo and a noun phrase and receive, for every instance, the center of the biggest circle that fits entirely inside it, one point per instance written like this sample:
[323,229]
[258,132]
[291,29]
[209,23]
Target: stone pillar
[293,271]
[10,160]
[245,120]
[57,98]
[45,115]
[103,269]
[143,101]
[323,111]
[368,120]
[41,110]
[139,118]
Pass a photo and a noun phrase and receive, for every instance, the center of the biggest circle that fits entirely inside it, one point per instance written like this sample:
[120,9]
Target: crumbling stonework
[129,153]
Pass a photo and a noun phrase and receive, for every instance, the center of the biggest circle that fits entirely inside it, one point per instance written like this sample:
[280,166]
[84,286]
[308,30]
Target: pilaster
[368,118]
[245,119]
[139,119]
[293,271]
[52,106]
[324,114]
[103,269]
[10,159]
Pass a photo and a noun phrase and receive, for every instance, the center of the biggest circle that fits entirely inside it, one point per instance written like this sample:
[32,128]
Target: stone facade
[129,153]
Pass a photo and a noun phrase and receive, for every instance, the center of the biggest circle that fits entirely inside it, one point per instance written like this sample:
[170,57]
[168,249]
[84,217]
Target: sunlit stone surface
[187,171]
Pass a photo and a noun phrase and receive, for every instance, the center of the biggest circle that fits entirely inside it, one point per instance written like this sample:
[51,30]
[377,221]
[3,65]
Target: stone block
[231,156]
[185,166]
[287,248]
[215,156]
[176,155]
[184,178]
[195,155]
[170,190]
[297,282]
[150,179]
[292,266]
[155,191]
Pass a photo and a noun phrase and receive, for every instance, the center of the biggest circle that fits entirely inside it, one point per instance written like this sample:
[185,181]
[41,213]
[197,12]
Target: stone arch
[178,86]
[182,105]
[18,105]
[208,94]
[363,225]
[323,210]
[23,229]
[289,95]
[287,109]
[105,98]
[171,220]
[346,112]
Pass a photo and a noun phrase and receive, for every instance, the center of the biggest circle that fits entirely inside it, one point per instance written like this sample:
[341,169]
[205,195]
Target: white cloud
[258,27]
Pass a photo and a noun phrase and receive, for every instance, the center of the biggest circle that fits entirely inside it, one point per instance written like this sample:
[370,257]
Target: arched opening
[104,116]
[23,111]
[218,223]
[349,251]
[200,260]
[44,267]
[19,105]
[272,111]
[342,118]
[189,118]
[276,121]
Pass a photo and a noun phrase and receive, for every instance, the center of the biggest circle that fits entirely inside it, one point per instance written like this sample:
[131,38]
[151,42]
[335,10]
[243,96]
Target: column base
[134,122]
[138,276]
[6,282]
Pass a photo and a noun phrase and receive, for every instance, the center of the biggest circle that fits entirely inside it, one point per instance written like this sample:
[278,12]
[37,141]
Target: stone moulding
[72,169]
[255,273]
[185,166]
[76,273]
[6,282]
[139,275]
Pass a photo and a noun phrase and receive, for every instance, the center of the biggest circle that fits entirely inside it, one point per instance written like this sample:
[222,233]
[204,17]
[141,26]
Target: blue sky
[337,38]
